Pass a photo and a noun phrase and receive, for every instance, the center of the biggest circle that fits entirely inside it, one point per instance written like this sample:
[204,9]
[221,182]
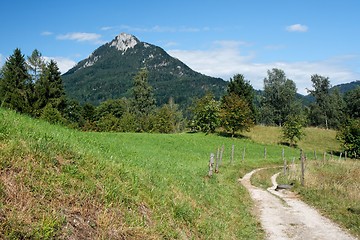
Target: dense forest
[34,87]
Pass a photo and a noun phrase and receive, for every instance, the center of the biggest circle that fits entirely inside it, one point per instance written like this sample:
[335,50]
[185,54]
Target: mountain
[342,88]
[109,71]
[346,87]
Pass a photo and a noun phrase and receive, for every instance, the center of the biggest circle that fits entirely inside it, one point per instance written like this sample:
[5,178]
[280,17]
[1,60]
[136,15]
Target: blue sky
[216,38]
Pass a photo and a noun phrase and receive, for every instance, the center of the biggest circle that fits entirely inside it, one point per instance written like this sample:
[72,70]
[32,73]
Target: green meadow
[61,183]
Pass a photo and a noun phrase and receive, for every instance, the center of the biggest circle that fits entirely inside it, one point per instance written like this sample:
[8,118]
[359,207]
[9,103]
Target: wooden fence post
[217,161]
[340,156]
[345,155]
[315,157]
[284,160]
[265,153]
[221,154]
[243,155]
[302,158]
[232,153]
[211,164]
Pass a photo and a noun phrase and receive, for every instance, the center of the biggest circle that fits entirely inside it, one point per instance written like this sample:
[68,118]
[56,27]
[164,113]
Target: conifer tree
[241,87]
[36,64]
[143,101]
[143,96]
[15,84]
[49,88]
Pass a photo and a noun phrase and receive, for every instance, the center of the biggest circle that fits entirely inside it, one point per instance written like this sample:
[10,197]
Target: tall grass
[333,187]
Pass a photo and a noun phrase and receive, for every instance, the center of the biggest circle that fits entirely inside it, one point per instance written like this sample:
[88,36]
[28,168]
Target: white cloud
[47,33]
[170,44]
[106,28]
[64,64]
[82,37]
[297,28]
[226,60]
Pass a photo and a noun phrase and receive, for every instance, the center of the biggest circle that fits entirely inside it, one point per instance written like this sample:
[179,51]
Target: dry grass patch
[333,187]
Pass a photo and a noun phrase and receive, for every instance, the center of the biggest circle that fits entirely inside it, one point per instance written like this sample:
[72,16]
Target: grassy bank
[333,187]
[60,183]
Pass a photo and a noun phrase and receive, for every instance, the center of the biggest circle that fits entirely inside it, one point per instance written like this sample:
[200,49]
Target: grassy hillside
[315,139]
[60,183]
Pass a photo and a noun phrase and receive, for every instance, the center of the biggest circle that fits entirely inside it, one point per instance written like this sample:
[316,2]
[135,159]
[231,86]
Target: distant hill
[109,71]
[343,88]
[346,87]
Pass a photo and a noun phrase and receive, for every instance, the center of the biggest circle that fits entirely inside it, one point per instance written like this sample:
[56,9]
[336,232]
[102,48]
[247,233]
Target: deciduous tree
[206,114]
[349,135]
[327,109]
[292,129]
[279,98]
[235,114]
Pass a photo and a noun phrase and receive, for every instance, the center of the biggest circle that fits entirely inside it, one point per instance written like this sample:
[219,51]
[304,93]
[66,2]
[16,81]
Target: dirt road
[284,216]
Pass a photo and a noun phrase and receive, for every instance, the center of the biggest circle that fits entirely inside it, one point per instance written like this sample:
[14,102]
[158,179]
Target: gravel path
[284,216]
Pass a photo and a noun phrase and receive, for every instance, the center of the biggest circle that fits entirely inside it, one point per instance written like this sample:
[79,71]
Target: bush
[349,135]
[52,115]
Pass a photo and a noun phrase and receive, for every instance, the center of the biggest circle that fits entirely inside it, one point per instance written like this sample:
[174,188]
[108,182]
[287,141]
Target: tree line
[34,87]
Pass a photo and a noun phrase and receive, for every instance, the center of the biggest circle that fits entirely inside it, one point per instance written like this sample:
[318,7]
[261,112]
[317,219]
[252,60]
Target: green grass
[315,139]
[61,183]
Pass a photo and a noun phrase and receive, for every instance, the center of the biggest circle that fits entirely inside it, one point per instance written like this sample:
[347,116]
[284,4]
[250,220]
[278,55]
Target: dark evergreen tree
[279,98]
[241,87]
[143,101]
[143,96]
[15,85]
[49,89]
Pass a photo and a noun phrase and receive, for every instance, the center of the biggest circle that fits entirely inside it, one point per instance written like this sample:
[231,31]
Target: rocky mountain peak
[124,41]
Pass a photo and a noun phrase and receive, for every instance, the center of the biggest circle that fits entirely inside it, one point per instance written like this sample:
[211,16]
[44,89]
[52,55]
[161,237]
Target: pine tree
[143,101]
[143,96]
[15,85]
[35,64]
[241,87]
[49,88]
